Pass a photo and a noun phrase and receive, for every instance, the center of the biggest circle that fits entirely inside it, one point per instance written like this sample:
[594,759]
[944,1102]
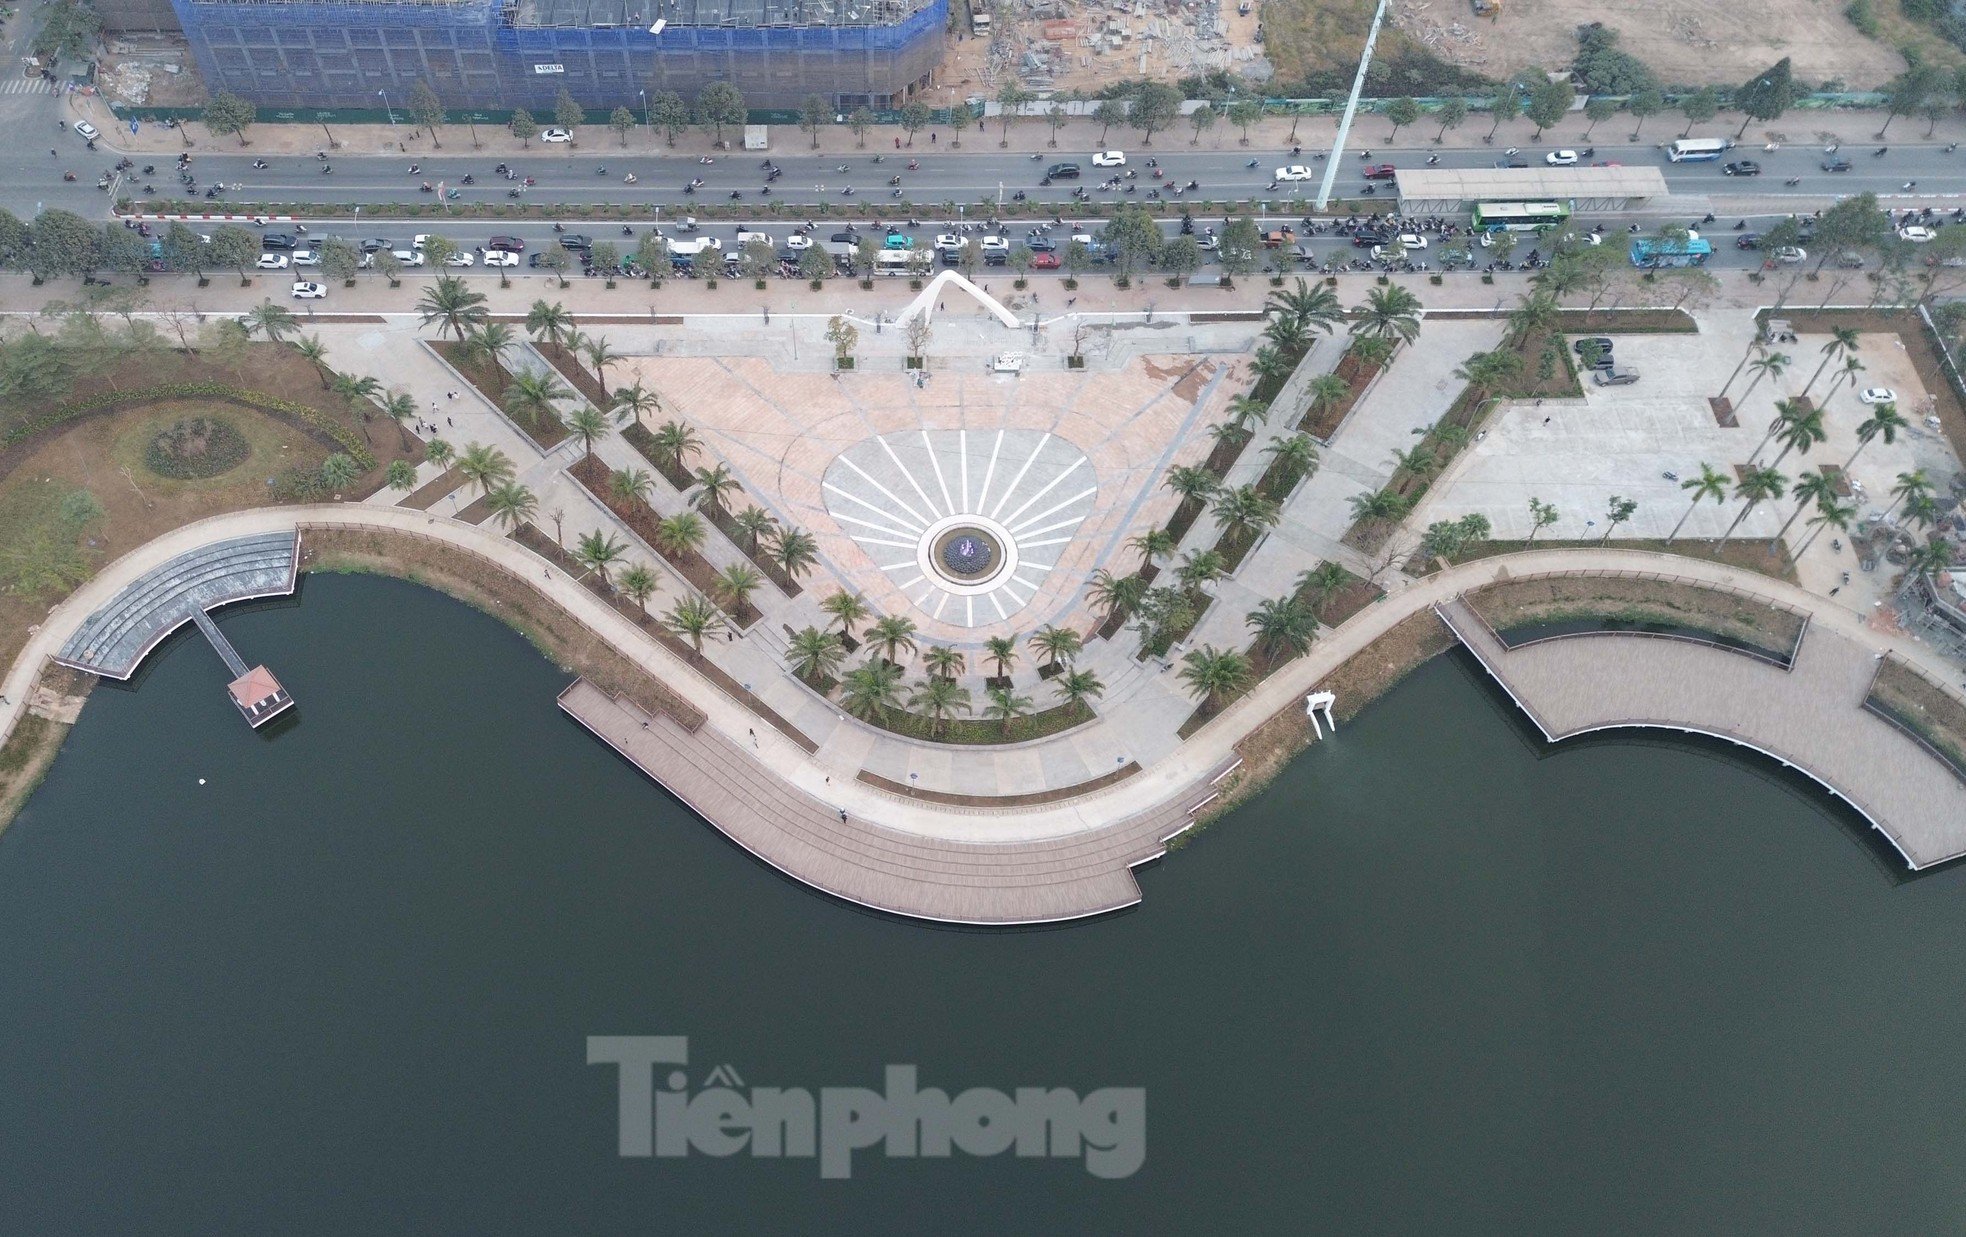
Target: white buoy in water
[201,781]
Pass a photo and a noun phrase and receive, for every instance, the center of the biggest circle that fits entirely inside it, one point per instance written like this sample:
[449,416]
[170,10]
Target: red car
[1379,171]
[1044,261]
[507,244]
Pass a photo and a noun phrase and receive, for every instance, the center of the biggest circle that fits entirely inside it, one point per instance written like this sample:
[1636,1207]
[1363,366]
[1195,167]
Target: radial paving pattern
[1009,500]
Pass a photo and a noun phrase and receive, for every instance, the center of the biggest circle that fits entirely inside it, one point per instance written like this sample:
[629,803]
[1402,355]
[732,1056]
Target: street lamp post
[384,96]
[648,118]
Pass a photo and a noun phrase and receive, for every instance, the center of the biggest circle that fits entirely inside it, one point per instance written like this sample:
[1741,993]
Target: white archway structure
[926,302]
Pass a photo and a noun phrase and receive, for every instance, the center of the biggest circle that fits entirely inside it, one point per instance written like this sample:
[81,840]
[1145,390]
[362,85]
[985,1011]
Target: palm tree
[1377,505]
[1843,340]
[755,524]
[512,504]
[736,583]
[1832,515]
[1417,462]
[1244,512]
[630,485]
[674,443]
[681,534]
[846,609]
[815,654]
[1389,313]
[1810,487]
[355,390]
[270,320]
[1311,307]
[1802,432]
[1114,595]
[1787,413]
[599,357]
[1491,371]
[1326,390]
[401,408]
[1770,365]
[1076,688]
[871,689]
[795,551]
[316,352]
[484,466]
[636,400]
[694,618]
[939,700]
[1921,509]
[716,485]
[1153,545]
[1248,413]
[549,323]
[1282,627]
[1288,336]
[1006,706]
[530,397]
[1201,567]
[1756,487]
[1295,456]
[1852,370]
[1192,482]
[452,305]
[597,552]
[1059,645]
[1002,652]
[1214,674]
[1541,516]
[339,471]
[1534,313]
[1913,484]
[943,661]
[1271,365]
[640,583]
[402,475]
[486,344]
[1931,558]
[589,425]
[892,633]
[1321,583]
[439,452]
[1884,422]
[1711,483]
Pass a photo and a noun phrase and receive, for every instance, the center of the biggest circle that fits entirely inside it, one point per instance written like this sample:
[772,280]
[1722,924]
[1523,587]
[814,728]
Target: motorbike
[503,169]
[513,193]
[705,159]
[452,195]
[327,169]
[257,163]
[415,168]
[913,166]
[628,179]
[426,187]
[894,180]
[68,176]
[149,169]
[626,230]
[843,167]
[1250,164]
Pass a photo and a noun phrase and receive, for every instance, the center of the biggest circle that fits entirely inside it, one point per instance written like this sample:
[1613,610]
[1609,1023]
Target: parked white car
[1791,254]
[797,241]
[457,259]
[272,262]
[994,244]
[1561,158]
[408,257]
[1916,234]
[1109,159]
[306,290]
[557,135]
[501,257]
[1295,171]
[949,242]
[306,257]
[1878,395]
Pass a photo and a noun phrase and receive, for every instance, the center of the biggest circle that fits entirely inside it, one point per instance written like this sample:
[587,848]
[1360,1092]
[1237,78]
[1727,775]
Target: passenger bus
[895,261]
[1519,216]
[1697,149]
[1648,254]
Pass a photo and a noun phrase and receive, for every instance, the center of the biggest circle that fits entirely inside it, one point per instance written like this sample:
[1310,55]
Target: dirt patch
[644,522]
[1948,399]
[490,381]
[1747,553]
[31,747]
[1527,602]
[578,376]
[1928,711]
[1358,375]
[1363,678]
[426,495]
[480,583]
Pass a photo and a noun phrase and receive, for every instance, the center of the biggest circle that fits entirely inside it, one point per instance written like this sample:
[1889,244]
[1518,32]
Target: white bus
[1697,149]
[894,261]
[1519,216]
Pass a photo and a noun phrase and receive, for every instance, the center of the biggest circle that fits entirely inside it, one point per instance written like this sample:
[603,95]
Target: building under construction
[484,54]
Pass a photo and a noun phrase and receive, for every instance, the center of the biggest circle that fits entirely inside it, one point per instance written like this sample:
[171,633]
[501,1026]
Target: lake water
[1440,978]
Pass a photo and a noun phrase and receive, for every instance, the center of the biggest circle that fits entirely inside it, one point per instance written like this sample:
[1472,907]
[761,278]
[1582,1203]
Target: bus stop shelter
[1455,191]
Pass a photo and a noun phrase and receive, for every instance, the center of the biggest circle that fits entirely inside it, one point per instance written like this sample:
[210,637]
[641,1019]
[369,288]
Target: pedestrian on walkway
[448,421]
[842,814]
[897,146]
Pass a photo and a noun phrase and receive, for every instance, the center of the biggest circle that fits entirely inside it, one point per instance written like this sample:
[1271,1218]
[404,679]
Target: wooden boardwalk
[1043,881]
[1810,716]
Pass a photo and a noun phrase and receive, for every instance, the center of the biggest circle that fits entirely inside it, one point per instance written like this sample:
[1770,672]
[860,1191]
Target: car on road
[278,240]
[1748,240]
[460,258]
[1109,159]
[949,242]
[797,241]
[272,262]
[538,260]
[501,257]
[1916,234]
[1044,261]
[1041,244]
[1062,171]
[510,244]
[1742,167]
[1561,158]
[845,238]
[1511,163]
[1295,171]
[1209,244]
[306,257]
[1601,342]
[898,240]
[408,257]
[1614,377]
[1791,254]
[376,246]
[1877,395]
[556,135]
[307,290]
[1850,260]
[1836,165]
[1412,241]
[574,240]
[88,131]
[994,244]
[1364,239]
[1379,171]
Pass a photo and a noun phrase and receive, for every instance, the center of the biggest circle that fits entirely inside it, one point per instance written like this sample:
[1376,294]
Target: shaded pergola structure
[1455,191]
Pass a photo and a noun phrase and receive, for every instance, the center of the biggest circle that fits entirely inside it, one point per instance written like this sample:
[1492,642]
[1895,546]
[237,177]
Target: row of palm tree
[872,690]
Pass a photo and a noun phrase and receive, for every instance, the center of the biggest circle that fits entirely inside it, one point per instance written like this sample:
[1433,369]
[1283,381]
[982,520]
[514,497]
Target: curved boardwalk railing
[1711,640]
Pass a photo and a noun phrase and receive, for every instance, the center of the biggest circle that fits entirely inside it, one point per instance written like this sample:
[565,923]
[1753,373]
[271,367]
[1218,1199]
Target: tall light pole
[384,96]
[1351,107]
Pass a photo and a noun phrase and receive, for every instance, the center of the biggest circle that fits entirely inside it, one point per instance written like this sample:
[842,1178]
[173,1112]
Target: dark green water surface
[1439,979]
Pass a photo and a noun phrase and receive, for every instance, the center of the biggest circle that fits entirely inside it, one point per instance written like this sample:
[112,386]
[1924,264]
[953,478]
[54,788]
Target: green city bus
[1519,216]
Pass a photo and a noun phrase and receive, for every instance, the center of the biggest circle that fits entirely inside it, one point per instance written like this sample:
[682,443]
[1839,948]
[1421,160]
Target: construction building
[480,54]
